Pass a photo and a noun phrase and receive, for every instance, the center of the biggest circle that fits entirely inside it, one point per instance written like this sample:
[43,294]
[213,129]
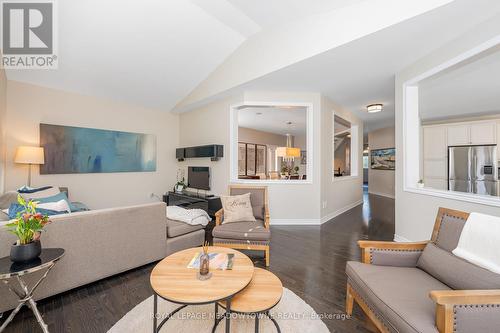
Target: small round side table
[260,296]
[10,270]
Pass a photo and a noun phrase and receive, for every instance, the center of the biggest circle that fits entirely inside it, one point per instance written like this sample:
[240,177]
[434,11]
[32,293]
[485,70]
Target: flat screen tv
[199,178]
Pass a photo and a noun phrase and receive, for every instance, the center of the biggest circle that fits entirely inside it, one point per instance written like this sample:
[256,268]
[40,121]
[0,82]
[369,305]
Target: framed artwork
[383,159]
[89,150]
[303,157]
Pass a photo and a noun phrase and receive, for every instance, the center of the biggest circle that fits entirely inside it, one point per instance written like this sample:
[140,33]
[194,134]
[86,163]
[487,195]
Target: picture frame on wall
[383,159]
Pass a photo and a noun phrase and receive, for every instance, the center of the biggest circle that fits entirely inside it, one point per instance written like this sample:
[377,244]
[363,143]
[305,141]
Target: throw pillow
[41,194]
[27,189]
[58,206]
[16,208]
[55,198]
[237,208]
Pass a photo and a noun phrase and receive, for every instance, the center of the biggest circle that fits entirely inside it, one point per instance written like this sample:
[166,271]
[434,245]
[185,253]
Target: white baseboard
[311,222]
[342,210]
[295,222]
[401,239]
[382,194]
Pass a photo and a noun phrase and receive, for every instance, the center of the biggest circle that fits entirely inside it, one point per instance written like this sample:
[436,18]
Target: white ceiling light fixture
[373,108]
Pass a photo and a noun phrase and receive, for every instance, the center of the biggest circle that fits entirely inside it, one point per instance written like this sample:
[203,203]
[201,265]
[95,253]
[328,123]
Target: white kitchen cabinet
[458,135]
[435,146]
[483,133]
[474,133]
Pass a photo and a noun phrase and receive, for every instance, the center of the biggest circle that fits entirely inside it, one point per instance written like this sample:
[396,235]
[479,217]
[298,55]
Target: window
[450,129]
[252,159]
[271,143]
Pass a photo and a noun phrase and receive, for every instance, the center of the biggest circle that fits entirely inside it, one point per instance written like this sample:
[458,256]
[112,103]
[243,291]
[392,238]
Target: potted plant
[180,185]
[420,183]
[27,226]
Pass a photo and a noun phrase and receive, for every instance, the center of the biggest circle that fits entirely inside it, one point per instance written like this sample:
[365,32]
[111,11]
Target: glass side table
[10,272]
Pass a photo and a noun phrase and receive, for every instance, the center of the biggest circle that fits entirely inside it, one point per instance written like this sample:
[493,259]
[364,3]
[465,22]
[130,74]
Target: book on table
[221,261]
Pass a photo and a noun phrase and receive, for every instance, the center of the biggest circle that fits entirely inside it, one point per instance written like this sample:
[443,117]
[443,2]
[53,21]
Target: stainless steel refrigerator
[473,169]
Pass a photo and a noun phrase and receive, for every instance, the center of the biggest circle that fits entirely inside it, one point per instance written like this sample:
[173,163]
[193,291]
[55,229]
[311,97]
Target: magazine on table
[221,261]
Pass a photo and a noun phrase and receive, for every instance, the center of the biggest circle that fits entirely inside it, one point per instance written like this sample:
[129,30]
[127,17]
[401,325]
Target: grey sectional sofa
[101,243]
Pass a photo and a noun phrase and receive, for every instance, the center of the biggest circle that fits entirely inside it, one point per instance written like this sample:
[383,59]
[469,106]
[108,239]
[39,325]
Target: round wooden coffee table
[260,296]
[174,282]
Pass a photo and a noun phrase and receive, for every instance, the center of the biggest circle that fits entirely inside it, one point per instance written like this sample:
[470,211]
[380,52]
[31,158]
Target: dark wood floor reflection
[310,261]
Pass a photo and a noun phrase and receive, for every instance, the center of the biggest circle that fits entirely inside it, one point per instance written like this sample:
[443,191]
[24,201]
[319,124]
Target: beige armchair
[246,235]
[422,286]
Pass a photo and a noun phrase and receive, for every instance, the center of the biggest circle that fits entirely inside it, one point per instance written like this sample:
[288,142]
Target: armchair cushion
[257,199]
[456,272]
[449,232]
[399,258]
[255,231]
[237,208]
[176,228]
[399,296]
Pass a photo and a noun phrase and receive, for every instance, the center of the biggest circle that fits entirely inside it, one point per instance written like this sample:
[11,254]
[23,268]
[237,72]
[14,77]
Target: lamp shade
[288,152]
[29,155]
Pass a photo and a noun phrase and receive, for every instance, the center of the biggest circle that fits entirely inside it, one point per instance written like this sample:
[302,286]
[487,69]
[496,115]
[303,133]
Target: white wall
[29,105]
[290,203]
[250,135]
[3,112]
[415,212]
[382,182]
[344,193]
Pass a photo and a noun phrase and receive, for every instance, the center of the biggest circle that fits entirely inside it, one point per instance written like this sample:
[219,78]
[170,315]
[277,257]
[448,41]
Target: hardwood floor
[310,261]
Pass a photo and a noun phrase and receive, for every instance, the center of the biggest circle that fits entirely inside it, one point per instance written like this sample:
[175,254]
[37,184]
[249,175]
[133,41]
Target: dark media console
[214,152]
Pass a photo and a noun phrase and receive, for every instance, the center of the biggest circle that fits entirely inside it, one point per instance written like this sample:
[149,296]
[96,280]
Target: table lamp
[29,155]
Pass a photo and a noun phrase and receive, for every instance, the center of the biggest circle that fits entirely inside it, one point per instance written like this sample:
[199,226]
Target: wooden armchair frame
[445,300]
[245,246]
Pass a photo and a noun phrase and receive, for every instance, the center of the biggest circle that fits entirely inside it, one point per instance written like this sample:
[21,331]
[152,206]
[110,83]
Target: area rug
[291,313]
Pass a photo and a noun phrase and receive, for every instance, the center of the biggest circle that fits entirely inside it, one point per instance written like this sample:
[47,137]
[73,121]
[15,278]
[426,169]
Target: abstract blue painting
[88,150]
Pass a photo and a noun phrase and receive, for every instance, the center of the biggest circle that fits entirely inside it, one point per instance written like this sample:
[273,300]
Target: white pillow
[237,208]
[41,194]
[58,206]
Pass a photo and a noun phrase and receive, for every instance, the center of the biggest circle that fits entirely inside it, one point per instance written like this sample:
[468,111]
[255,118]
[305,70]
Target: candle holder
[204,272]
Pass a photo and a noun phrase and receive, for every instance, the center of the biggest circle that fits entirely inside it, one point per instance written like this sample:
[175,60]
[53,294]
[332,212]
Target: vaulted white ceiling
[150,53]
[471,88]
[362,72]
[165,53]
[154,53]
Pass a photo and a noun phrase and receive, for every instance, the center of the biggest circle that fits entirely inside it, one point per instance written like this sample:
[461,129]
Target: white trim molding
[340,211]
[233,143]
[411,132]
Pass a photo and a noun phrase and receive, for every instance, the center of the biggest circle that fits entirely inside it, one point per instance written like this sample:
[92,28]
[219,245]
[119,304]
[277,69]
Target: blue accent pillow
[16,208]
[26,189]
[55,198]
[78,207]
